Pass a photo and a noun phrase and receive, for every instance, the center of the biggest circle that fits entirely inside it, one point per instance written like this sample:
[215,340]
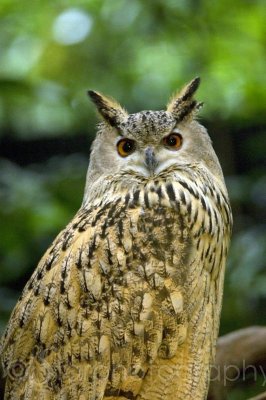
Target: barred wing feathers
[113,305]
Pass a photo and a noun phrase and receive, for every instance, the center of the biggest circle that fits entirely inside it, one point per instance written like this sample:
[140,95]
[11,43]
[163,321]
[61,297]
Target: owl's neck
[166,189]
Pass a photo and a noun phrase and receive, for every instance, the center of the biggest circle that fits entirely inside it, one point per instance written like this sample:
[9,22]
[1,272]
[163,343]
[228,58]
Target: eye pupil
[127,146]
[172,141]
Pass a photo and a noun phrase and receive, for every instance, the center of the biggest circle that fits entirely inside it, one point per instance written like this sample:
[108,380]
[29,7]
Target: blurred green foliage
[139,52]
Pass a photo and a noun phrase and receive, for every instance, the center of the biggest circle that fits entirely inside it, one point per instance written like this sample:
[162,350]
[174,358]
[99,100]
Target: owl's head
[149,142]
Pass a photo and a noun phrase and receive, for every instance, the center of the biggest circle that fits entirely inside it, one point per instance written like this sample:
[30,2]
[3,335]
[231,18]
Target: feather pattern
[113,305]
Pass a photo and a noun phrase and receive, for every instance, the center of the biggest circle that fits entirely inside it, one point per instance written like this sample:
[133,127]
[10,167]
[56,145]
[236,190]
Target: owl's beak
[150,159]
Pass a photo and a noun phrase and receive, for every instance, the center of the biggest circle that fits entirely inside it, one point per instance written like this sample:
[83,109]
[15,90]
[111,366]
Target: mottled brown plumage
[125,304]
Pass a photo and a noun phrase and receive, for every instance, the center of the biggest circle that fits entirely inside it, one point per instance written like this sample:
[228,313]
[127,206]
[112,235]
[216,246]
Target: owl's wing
[98,308]
[207,220]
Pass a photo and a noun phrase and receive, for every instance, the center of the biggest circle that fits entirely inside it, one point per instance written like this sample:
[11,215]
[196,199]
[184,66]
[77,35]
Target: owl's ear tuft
[109,109]
[182,105]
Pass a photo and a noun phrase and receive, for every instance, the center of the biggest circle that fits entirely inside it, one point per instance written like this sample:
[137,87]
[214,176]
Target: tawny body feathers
[125,304]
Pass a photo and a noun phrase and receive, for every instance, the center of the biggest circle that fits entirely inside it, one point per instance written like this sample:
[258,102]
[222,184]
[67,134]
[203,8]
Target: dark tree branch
[240,356]
[261,396]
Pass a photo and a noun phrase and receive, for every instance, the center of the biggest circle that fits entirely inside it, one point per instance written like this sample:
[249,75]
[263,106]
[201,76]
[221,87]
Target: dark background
[138,52]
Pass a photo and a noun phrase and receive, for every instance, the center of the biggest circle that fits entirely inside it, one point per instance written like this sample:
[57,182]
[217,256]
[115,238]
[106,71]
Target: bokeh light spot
[72,26]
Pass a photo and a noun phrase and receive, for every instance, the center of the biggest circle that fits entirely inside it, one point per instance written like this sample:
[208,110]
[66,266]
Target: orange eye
[125,147]
[174,141]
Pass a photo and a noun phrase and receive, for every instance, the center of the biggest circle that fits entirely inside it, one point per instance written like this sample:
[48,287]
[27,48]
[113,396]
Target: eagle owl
[125,303]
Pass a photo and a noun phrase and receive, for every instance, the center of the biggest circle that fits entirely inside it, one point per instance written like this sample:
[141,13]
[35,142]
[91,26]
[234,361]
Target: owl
[125,303]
